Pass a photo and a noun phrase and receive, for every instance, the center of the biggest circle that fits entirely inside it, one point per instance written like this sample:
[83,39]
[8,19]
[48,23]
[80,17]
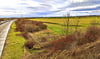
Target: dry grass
[86,50]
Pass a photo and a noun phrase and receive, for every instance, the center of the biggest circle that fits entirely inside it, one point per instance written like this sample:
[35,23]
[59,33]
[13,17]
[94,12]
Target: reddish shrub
[64,43]
[71,41]
[92,34]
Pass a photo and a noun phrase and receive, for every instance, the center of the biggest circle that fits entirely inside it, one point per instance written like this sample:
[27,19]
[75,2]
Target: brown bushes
[76,40]
[29,44]
[92,34]
[25,35]
[63,43]
[73,40]
[1,19]
[29,26]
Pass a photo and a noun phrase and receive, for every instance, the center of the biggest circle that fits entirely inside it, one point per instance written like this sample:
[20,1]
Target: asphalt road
[4,28]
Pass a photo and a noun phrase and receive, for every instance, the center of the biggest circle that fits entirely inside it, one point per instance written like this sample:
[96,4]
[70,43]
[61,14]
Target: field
[14,47]
[57,25]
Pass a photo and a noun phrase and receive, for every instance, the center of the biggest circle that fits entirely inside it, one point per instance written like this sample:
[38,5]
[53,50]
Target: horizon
[51,16]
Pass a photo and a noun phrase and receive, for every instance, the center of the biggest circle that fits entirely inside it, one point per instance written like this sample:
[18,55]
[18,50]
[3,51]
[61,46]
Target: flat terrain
[57,25]
[14,45]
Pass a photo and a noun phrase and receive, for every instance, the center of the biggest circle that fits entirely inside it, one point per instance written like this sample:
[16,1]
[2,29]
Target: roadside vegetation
[54,38]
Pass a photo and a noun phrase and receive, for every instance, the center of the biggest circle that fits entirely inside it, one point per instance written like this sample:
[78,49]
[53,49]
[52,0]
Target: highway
[4,28]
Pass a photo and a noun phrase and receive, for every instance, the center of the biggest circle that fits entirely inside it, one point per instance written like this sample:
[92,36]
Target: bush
[29,26]
[72,41]
[1,19]
[29,44]
[75,39]
[63,43]
[92,34]
[25,35]
[43,39]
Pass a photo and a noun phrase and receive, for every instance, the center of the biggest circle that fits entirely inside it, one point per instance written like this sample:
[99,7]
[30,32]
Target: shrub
[1,19]
[29,44]
[77,38]
[29,26]
[63,43]
[71,41]
[25,35]
[43,39]
[92,34]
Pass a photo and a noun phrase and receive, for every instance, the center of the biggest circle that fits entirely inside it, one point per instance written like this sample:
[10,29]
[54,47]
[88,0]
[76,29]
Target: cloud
[78,1]
[94,7]
[37,8]
[86,9]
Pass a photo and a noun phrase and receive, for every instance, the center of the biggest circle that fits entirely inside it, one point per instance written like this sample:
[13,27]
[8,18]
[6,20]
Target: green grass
[14,45]
[55,28]
[34,51]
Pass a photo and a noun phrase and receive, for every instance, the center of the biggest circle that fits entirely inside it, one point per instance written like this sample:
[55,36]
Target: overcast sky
[48,8]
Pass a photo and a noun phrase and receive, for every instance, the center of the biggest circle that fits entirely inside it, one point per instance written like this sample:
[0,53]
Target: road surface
[4,28]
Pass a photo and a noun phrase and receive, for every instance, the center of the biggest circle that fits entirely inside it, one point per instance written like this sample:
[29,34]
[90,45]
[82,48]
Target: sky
[48,8]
